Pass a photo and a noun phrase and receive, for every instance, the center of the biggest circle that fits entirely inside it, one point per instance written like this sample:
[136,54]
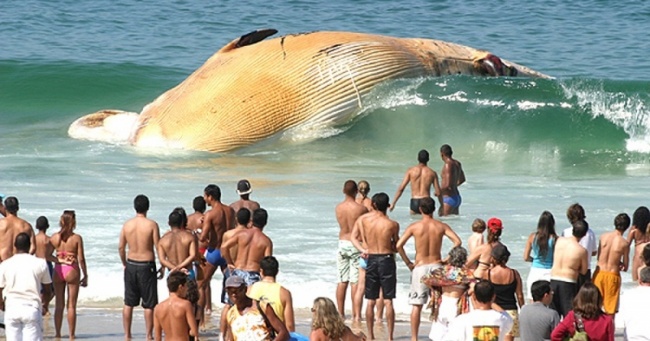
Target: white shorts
[535,275]
[419,293]
[447,311]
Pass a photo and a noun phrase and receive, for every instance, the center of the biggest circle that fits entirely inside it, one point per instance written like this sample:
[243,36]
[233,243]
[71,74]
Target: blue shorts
[363,263]
[213,256]
[454,201]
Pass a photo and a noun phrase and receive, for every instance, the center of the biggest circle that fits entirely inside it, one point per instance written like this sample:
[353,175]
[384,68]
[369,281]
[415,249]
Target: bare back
[569,259]
[252,246]
[44,248]
[140,235]
[245,203]
[178,249]
[451,177]
[613,252]
[379,233]
[428,234]
[215,224]
[195,221]
[422,178]
[228,235]
[347,212]
[175,317]
[10,227]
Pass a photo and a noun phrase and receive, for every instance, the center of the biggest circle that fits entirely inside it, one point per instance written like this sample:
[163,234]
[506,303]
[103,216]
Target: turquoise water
[526,145]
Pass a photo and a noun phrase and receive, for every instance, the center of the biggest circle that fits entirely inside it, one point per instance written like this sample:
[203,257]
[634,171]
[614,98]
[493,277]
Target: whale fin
[249,39]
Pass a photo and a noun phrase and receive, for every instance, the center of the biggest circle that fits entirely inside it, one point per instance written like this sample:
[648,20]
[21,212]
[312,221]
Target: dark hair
[175,219]
[380,201]
[622,222]
[176,279]
[11,205]
[243,216]
[42,223]
[588,301]
[213,191]
[423,156]
[540,288]
[198,204]
[575,212]
[141,203]
[181,211]
[270,266]
[350,188]
[645,254]
[580,228]
[427,205]
[22,242]
[192,294]
[484,291]
[446,150]
[260,218]
[458,256]
[493,236]
[641,219]
[644,275]
[545,229]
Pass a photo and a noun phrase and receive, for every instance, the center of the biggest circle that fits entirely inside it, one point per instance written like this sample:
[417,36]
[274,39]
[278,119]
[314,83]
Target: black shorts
[140,283]
[381,273]
[563,294]
[415,205]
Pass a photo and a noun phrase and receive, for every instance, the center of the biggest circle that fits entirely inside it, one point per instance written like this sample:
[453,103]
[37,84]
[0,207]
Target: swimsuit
[347,262]
[363,263]
[381,273]
[249,277]
[454,200]
[564,291]
[415,205]
[213,256]
[609,284]
[419,292]
[140,282]
[61,269]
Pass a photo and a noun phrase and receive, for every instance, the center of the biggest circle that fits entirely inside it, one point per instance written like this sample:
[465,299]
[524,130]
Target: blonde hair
[478,225]
[327,318]
[68,223]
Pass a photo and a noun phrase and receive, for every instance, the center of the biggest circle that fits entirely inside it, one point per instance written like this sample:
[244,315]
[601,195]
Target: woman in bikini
[482,254]
[67,271]
[640,236]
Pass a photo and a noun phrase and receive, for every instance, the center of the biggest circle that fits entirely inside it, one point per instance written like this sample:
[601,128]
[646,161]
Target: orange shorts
[609,284]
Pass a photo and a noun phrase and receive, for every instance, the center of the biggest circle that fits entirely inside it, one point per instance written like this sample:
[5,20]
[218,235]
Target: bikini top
[505,293]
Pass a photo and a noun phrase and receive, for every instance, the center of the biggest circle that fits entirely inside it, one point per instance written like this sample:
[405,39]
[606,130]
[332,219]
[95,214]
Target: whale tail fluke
[114,126]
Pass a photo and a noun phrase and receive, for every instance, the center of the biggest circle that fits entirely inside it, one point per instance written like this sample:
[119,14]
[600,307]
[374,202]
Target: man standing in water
[452,176]
[244,190]
[140,234]
[421,178]
[380,234]
[569,262]
[177,248]
[347,213]
[428,234]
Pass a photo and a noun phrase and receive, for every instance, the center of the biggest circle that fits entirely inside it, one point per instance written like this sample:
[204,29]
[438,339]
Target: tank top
[545,262]
[250,326]
[505,293]
[269,293]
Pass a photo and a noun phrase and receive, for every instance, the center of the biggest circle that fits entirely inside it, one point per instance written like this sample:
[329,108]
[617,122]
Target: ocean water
[526,145]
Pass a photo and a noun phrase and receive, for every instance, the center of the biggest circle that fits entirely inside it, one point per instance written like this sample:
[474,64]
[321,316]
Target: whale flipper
[249,39]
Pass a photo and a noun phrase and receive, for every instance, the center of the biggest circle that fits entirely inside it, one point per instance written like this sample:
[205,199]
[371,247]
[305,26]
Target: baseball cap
[234,282]
[495,224]
[500,252]
[244,187]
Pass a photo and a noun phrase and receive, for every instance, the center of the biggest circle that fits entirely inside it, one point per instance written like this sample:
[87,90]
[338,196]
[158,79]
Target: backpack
[580,333]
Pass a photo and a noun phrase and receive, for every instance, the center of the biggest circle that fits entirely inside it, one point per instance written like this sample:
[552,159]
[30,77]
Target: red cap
[494,224]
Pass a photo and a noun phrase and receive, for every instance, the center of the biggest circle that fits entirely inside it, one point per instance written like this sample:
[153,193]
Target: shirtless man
[379,234]
[45,250]
[215,223]
[347,212]
[12,226]
[244,190]
[177,248]
[569,261]
[3,211]
[140,234]
[421,178]
[613,256]
[195,220]
[428,234]
[451,177]
[252,245]
[175,315]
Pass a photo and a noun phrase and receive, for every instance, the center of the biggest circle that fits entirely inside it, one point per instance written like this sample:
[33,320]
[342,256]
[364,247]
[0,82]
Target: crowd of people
[473,294]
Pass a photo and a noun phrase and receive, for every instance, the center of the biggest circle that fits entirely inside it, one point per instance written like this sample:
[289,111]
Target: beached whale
[253,89]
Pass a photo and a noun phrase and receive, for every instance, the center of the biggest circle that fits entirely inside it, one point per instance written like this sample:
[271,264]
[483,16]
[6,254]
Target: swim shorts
[563,293]
[347,262]
[213,256]
[454,201]
[381,273]
[140,283]
[363,263]
[419,293]
[514,314]
[415,205]
[609,284]
[250,277]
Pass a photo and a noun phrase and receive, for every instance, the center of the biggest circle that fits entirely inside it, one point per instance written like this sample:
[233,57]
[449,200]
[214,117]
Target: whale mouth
[112,126]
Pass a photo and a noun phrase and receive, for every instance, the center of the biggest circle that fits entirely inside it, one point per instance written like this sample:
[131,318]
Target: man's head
[212,191]
[198,204]
[350,188]
[42,224]
[176,281]
[622,222]
[575,212]
[11,205]
[244,187]
[183,214]
[427,206]
[243,216]
[236,288]
[445,150]
[260,218]
[22,243]
[484,292]
[380,202]
[541,292]
[580,228]
[644,276]
[175,219]
[423,156]
[141,203]
[269,266]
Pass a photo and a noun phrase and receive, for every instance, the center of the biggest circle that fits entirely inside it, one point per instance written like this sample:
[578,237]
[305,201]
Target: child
[645,257]
[476,239]
[45,250]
